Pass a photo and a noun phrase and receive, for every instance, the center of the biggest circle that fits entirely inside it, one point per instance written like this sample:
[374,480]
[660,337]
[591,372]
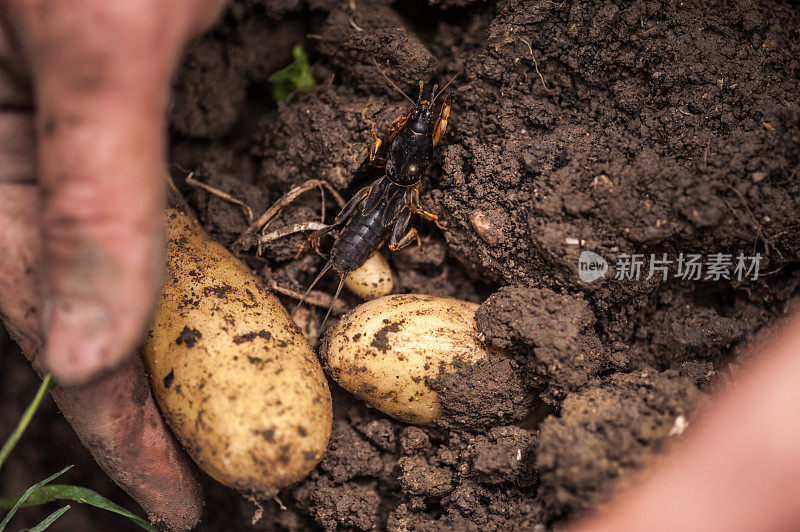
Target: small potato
[387,352]
[372,280]
[236,381]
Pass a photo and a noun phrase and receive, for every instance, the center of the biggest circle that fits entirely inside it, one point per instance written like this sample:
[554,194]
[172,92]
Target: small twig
[263,220]
[535,63]
[280,503]
[286,231]
[248,212]
[776,270]
[317,37]
[322,208]
[314,297]
[354,25]
[744,221]
[258,514]
[336,196]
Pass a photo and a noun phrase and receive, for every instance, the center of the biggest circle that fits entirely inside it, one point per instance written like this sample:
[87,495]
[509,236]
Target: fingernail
[78,339]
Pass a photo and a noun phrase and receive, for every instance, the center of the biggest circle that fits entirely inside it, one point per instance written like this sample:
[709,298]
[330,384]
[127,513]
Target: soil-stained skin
[643,127]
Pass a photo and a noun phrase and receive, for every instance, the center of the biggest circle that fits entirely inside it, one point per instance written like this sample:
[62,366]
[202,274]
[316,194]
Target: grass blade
[54,492]
[26,418]
[50,519]
[24,497]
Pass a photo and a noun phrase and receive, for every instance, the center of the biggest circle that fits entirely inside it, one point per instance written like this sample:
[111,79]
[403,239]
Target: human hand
[84,86]
[739,468]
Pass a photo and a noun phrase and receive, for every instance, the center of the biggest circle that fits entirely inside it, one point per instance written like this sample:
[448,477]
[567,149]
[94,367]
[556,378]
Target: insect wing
[396,204]
[376,194]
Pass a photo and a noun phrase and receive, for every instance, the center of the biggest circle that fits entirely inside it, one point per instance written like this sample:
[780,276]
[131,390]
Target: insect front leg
[400,238]
[441,123]
[394,128]
[375,146]
[396,125]
[413,201]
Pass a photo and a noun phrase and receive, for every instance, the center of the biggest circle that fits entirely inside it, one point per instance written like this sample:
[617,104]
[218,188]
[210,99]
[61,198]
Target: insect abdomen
[358,241]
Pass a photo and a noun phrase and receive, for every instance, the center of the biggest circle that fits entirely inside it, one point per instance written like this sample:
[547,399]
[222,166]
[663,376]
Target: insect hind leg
[407,240]
[400,238]
[341,219]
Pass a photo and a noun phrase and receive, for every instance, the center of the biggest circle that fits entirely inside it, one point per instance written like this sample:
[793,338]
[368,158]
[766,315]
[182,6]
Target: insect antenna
[392,83]
[443,88]
[335,297]
[319,276]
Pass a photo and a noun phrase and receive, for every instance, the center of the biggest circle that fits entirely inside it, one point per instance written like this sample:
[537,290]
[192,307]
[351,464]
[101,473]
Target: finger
[16,126]
[101,71]
[114,417]
[19,301]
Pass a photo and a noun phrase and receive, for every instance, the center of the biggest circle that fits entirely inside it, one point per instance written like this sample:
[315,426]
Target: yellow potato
[237,382]
[372,280]
[386,351]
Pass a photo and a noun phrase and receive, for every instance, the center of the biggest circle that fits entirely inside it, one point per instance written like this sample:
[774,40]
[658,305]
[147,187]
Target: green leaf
[24,497]
[47,383]
[50,519]
[55,492]
[296,76]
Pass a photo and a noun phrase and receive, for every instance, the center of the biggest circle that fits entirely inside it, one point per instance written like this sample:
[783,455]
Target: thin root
[757,226]
[248,212]
[246,238]
[280,503]
[354,25]
[314,297]
[290,230]
[535,63]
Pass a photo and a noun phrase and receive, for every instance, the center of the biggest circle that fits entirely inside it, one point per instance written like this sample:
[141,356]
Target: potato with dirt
[234,377]
[391,352]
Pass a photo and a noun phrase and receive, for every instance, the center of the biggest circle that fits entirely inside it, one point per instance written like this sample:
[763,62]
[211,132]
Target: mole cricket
[381,211]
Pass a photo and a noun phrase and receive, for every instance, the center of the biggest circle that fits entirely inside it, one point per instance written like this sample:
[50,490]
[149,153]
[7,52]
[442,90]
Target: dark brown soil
[628,127]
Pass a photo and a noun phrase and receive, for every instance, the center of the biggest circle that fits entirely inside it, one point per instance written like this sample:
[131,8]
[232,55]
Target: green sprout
[296,76]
